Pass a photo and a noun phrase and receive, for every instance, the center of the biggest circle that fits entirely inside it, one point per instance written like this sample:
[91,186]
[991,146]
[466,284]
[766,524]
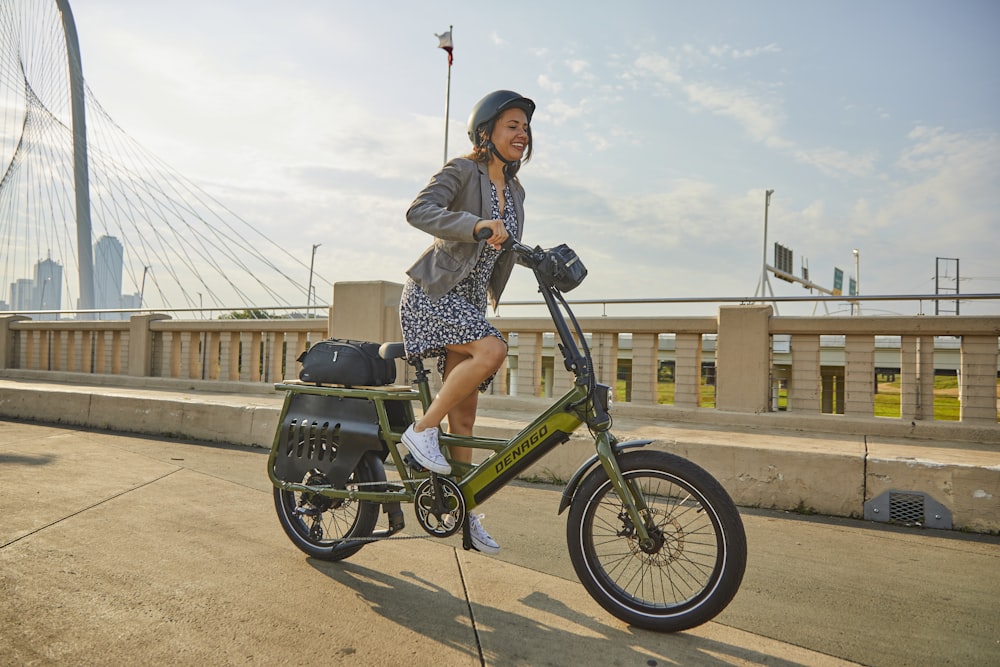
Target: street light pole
[857,279]
[763,264]
[309,292]
[142,289]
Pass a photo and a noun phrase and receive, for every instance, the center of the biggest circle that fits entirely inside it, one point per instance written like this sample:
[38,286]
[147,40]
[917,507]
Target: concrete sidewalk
[123,550]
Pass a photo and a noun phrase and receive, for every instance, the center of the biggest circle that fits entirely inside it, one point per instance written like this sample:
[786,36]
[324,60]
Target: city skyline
[44,290]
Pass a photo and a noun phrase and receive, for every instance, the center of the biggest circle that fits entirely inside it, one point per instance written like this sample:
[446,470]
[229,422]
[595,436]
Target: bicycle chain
[384,537]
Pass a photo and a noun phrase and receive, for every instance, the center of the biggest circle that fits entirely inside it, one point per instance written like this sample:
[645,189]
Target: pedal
[413,463]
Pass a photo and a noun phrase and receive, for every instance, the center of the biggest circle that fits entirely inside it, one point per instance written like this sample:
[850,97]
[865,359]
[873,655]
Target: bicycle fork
[632,499]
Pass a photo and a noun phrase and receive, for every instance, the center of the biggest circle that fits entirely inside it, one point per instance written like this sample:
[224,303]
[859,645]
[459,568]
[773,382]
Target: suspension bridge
[91,221]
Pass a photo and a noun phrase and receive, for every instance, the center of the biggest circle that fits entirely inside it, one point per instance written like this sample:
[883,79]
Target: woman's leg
[462,417]
[461,421]
[466,367]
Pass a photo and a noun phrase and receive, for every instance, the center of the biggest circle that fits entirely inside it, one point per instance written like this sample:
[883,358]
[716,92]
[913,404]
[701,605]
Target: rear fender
[588,465]
[326,433]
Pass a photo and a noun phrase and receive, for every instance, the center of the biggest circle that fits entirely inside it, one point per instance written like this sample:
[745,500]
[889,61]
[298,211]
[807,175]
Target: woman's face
[510,134]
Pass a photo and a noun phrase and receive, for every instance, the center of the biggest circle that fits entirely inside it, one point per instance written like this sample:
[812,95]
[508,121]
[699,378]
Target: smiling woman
[470,208]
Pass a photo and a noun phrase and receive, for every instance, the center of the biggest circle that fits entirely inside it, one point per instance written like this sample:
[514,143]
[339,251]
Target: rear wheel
[694,563]
[328,528]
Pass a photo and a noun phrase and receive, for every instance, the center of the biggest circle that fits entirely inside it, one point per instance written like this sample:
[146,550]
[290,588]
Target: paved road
[124,550]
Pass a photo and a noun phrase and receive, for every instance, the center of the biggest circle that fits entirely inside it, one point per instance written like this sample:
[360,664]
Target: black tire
[697,564]
[327,528]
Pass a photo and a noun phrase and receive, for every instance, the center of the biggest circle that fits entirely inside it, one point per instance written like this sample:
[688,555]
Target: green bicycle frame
[477,481]
[585,403]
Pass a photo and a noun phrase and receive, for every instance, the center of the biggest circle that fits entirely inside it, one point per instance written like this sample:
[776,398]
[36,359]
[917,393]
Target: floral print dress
[460,315]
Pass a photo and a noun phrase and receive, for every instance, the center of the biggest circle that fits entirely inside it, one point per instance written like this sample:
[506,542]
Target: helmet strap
[510,167]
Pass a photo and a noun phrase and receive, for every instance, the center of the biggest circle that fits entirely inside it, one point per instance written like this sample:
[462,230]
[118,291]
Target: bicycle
[653,537]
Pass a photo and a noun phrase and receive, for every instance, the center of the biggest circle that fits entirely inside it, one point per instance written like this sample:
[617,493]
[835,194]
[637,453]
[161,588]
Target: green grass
[887,400]
[946,404]
[665,393]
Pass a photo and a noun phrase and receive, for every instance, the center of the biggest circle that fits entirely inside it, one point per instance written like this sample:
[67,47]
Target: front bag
[348,362]
[562,268]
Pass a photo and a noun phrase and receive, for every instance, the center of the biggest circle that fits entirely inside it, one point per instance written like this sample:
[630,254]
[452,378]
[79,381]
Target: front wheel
[695,563]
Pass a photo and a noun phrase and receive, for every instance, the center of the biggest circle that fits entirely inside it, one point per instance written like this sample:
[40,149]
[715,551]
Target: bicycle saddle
[391,351]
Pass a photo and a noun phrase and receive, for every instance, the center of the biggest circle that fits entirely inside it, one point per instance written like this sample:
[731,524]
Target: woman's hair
[482,152]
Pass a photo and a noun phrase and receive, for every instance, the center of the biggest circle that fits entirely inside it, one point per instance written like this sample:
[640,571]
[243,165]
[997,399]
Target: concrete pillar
[8,340]
[140,343]
[366,310]
[563,379]
[499,387]
[644,368]
[743,353]
[859,375]
[687,370]
[369,310]
[804,389]
[977,388]
[916,377]
[529,364]
[604,351]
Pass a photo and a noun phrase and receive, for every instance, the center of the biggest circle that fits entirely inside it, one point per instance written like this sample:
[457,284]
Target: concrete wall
[758,461]
[265,351]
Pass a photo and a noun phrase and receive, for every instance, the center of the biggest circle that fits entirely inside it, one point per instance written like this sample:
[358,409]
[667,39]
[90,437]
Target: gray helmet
[492,106]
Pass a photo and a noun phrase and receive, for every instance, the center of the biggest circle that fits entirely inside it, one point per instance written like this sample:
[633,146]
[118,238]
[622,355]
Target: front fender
[581,472]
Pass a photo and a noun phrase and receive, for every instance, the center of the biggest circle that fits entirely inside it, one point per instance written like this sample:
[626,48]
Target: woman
[443,306]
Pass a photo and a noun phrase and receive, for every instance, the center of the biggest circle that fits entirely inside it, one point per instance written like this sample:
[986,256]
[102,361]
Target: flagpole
[447,100]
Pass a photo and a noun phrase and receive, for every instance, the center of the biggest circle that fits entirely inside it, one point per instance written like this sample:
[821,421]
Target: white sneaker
[425,449]
[481,540]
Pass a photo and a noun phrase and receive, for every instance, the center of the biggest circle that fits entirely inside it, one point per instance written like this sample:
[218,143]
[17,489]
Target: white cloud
[954,194]
[560,111]
[547,84]
[836,162]
[759,118]
[659,67]
[743,54]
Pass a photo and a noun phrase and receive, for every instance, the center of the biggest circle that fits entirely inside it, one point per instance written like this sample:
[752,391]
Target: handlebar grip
[486,232]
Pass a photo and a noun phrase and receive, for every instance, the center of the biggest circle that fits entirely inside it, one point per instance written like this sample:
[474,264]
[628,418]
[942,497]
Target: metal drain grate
[908,508]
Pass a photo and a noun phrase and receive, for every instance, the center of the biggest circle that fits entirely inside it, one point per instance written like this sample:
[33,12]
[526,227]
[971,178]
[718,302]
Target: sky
[659,127]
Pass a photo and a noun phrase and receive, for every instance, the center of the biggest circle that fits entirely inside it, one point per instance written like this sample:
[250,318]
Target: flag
[444,42]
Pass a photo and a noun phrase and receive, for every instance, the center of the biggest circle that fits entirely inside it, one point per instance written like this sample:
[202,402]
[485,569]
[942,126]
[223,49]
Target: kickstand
[466,537]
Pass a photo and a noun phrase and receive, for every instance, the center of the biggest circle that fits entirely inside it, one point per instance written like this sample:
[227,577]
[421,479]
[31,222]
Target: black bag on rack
[348,362]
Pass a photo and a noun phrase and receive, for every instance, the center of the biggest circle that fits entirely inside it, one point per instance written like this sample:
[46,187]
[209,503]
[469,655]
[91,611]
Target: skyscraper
[108,254]
[22,294]
[47,290]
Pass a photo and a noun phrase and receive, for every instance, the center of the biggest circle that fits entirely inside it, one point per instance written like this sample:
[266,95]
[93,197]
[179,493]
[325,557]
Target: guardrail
[806,376]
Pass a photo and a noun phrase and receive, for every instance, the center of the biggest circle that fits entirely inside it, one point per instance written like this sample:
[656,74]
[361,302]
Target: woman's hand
[499,232]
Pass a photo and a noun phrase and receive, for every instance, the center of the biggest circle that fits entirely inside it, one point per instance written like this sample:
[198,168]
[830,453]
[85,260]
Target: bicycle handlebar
[578,363]
[532,256]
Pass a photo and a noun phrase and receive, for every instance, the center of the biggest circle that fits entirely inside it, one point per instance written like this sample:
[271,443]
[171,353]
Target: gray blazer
[456,198]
